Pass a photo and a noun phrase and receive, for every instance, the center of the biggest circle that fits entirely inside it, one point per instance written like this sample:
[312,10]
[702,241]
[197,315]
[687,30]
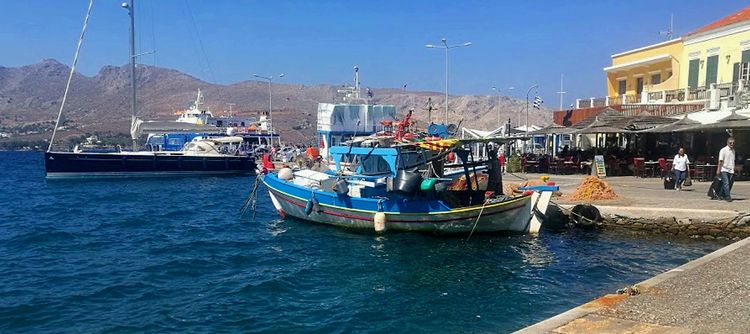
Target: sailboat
[203,155]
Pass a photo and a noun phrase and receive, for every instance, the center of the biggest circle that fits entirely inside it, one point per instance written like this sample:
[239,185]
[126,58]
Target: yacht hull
[126,164]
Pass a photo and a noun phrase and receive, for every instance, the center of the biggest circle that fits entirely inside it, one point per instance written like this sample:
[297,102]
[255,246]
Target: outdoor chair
[560,166]
[639,167]
[663,168]
[698,173]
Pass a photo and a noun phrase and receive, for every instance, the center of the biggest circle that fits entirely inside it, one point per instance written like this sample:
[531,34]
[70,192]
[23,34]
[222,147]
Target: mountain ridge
[31,94]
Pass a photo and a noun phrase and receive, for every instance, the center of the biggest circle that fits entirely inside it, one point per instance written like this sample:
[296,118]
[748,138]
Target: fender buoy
[309,206]
[585,215]
[379,221]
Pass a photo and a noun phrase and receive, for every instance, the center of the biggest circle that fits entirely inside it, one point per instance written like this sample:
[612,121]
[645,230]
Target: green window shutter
[746,56]
[712,66]
[693,73]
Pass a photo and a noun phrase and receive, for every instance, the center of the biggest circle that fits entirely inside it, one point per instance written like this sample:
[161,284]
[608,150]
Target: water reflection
[534,252]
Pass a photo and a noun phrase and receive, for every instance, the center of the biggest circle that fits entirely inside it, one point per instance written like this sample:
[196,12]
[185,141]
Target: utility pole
[669,32]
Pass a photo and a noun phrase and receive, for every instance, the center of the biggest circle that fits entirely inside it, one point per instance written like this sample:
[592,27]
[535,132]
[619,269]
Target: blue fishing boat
[410,187]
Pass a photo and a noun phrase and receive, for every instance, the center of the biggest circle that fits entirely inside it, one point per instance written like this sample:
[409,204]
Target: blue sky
[518,43]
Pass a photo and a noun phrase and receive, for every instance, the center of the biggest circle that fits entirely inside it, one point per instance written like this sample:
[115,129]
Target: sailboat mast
[131,13]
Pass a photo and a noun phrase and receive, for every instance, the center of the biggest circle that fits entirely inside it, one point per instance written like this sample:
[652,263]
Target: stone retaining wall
[736,228]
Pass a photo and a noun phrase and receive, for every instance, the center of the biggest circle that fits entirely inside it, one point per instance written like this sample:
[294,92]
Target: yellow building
[714,52]
[633,70]
[683,69]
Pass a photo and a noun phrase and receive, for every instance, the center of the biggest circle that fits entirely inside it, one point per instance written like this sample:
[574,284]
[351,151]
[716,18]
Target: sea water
[176,255]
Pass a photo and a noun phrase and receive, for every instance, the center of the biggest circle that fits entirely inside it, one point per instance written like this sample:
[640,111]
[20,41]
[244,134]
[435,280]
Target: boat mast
[70,77]
[131,13]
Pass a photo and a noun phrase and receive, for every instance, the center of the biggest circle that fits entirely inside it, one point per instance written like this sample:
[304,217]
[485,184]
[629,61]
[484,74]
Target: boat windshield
[367,164]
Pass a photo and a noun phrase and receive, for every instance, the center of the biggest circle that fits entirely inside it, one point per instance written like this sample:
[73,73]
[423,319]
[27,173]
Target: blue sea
[176,255]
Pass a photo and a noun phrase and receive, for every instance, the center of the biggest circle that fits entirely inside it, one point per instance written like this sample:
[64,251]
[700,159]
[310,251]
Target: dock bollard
[585,215]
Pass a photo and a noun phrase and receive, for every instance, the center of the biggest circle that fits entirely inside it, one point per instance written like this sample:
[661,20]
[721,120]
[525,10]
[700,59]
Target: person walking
[680,168]
[725,169]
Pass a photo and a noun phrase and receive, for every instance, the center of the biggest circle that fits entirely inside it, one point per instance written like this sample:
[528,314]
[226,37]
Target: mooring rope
[252,199]
[570,212]
[477,221]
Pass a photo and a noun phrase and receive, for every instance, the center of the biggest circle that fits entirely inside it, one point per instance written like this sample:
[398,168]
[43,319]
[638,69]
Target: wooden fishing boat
[406,188]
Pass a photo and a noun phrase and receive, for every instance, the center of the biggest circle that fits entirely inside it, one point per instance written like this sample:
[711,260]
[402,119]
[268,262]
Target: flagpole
[527,112]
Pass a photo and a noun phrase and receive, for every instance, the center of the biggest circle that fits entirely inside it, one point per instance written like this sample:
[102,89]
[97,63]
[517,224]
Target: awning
[682,123]
[733,121]
[638,63]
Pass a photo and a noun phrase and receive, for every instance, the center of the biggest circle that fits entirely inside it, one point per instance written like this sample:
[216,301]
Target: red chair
[639,167]
[663,167]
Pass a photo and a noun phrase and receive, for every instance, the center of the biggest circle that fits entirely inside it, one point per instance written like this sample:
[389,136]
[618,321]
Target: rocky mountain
[30,98]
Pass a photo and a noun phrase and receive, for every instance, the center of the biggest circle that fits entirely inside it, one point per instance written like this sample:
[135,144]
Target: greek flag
[537,102]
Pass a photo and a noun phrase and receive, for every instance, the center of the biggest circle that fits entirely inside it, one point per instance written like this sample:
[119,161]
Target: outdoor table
[531,164]
[586,167]
[651,166]
[709,171]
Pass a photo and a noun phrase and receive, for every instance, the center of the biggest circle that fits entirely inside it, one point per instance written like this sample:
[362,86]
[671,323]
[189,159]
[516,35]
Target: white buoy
[379,221]
[286,174]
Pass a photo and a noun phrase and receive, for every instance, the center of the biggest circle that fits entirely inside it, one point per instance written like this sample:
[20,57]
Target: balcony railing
[660,109]
[693,96]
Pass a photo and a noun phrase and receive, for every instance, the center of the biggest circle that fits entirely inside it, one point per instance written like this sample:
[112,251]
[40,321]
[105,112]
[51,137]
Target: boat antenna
[70,77]
[131,12]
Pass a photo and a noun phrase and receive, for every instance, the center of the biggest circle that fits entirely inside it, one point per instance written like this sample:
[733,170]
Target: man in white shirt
[725,169]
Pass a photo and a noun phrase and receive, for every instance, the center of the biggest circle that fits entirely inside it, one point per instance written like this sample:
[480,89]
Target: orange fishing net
[591,189]
[460,182]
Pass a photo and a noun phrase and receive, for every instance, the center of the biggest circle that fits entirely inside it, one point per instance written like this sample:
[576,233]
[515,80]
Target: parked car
[286,154]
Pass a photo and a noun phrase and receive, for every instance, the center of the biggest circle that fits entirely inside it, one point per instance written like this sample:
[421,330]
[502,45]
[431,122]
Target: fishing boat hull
[127,164]
[519,215]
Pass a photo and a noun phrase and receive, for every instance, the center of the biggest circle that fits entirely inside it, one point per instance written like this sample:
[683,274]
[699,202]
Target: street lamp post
[527,110]
[497,95]
[270,105]
[446,47]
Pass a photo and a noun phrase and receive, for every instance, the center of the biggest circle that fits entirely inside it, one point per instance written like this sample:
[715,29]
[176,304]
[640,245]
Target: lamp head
[281,75]
[429,46]
[125,5]
[467,43]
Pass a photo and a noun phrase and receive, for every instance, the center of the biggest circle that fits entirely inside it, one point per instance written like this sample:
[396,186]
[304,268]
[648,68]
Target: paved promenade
[646,197]
[707,295]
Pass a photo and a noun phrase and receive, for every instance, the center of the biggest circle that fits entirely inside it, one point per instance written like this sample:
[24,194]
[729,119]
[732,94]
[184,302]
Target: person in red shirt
[501,158]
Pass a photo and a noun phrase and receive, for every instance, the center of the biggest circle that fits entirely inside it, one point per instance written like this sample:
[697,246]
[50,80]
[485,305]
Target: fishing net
[592,189]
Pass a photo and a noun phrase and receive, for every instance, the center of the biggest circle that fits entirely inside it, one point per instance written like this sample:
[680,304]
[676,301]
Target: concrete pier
[707,295]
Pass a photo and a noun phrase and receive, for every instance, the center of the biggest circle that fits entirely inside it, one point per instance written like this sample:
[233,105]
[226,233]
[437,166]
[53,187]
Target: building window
[712,66]
[693,70]
[656,78]
[622,87]
[639,85]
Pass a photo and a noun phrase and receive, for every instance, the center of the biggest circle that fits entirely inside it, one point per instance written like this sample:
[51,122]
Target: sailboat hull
[72,165]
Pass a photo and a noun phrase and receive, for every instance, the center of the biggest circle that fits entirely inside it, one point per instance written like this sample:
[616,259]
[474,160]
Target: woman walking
[680,168]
